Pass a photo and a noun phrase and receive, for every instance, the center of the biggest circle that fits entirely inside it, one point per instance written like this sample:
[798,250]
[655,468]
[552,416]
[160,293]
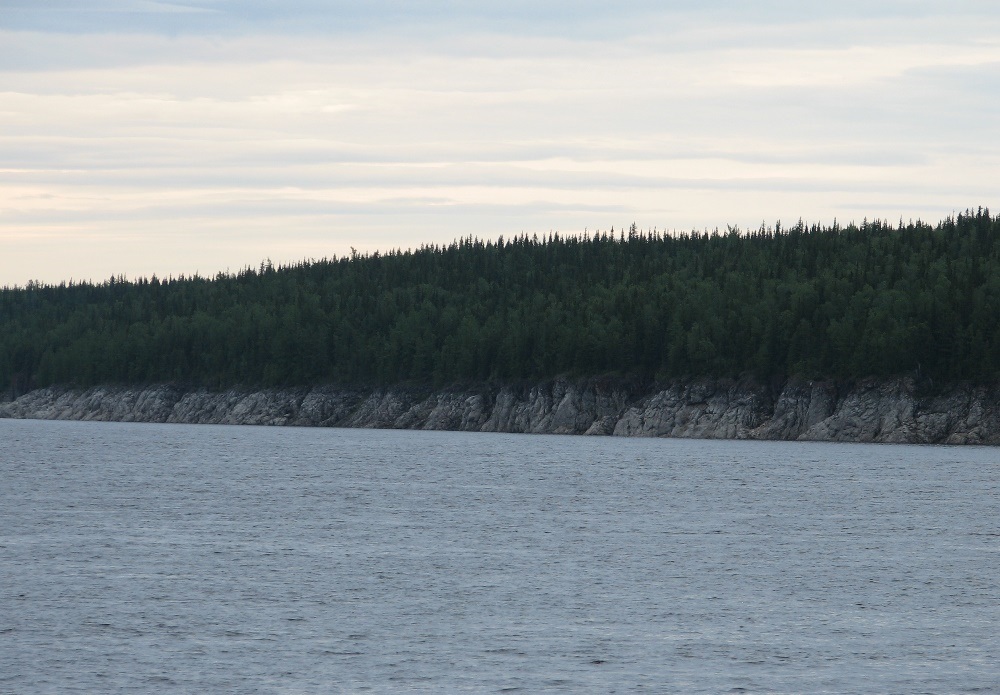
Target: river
[190,559]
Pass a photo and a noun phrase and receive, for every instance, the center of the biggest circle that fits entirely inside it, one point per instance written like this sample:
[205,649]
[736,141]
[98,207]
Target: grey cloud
[281,211]
[289,191]
[581,18]
[39,160]
[192,142]
[43,36]
[311,16]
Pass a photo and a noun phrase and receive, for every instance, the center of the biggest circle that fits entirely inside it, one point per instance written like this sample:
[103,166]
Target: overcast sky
[141,137]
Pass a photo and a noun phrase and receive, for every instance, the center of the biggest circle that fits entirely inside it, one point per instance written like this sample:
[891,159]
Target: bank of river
[863,411]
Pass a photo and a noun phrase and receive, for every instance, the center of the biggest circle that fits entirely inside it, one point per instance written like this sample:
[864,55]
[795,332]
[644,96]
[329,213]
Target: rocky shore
[865,411]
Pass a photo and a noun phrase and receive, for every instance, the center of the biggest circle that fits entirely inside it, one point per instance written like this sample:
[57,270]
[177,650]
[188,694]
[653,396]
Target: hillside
[874,300]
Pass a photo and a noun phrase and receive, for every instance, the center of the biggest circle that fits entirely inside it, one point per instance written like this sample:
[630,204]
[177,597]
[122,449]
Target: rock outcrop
[865,411]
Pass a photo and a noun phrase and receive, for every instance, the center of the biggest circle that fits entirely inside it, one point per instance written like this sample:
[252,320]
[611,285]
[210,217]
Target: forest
[810,301]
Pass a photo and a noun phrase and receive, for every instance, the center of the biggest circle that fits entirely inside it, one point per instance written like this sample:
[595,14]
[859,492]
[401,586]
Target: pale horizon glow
[141,138]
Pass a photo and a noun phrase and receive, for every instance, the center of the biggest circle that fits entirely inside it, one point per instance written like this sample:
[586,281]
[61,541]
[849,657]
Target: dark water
[149,558]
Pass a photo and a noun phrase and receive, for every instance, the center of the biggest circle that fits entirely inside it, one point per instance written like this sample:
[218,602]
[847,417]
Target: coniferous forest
[816,302]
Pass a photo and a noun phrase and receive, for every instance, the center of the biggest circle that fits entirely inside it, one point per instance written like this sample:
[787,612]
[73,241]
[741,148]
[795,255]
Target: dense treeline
[869,300]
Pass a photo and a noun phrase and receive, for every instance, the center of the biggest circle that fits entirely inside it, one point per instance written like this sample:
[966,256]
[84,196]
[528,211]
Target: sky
[140,137]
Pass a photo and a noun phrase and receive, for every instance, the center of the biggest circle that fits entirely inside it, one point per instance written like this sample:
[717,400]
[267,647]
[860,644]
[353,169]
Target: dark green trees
[873,300]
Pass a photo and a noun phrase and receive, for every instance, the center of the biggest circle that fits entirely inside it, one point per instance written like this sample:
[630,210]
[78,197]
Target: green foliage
[815,302]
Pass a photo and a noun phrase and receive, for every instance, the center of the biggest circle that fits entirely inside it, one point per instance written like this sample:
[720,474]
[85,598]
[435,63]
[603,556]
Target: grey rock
[700,409]
[382,409]
[888,410]
[327,406]
[799,406]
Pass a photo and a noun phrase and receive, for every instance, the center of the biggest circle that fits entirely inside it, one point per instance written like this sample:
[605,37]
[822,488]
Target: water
[190,559]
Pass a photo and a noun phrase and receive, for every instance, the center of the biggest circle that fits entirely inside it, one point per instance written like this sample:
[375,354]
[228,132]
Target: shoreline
[871,410]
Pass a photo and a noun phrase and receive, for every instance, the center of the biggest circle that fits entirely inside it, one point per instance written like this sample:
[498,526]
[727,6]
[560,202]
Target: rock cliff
[865,411]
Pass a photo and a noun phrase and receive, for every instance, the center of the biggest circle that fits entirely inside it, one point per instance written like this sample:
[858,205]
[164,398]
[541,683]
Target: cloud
[152,137]
[577,19]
